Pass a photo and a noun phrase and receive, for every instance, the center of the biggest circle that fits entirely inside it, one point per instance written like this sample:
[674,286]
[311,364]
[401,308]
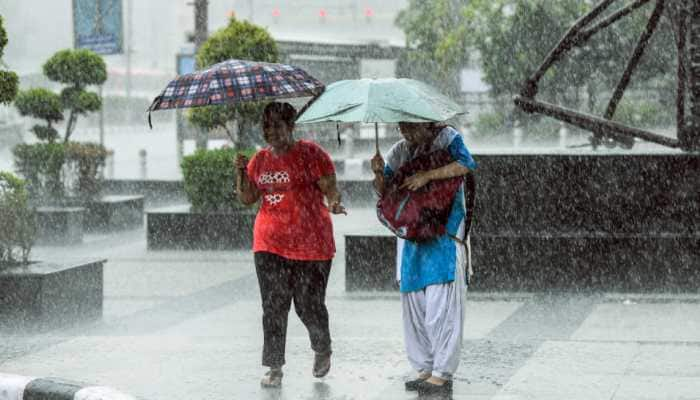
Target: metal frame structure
[604,129]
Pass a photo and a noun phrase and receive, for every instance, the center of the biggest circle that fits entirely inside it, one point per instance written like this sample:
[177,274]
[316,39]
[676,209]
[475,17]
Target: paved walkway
[186,325]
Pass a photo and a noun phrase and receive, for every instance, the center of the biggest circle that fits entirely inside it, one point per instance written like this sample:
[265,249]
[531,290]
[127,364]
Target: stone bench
[46,295]
[532,261]
[115,212]
[60,225]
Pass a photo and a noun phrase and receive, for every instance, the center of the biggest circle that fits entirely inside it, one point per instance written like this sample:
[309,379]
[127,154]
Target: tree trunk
[69,126]
[246,134]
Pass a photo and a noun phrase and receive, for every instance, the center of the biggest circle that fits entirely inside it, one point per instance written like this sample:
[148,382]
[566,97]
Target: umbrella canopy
[235,81]
[380,100]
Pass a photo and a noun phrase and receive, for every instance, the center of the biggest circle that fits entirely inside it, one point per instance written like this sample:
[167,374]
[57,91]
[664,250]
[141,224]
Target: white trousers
[433,323]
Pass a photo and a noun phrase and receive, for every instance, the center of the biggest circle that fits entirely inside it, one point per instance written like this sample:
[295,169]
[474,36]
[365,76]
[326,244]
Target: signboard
[97,25]
[185,63]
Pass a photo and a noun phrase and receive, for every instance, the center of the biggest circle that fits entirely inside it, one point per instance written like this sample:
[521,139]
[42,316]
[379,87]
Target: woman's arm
[422,178]
[329,188]
[245,189]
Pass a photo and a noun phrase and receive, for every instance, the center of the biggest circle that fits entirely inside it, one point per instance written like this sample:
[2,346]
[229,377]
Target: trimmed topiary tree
[77,69]
[42,104]
[238,40]
[17,221]
[8,79]
[57,170]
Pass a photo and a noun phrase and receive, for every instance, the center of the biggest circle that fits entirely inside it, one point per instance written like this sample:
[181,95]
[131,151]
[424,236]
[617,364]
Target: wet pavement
[187,325]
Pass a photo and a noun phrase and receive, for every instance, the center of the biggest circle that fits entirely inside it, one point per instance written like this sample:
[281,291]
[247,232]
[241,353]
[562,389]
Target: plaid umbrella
[235,81]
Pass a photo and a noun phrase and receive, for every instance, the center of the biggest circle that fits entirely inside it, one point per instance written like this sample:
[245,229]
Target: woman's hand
[417,181]
[336,207]
[241,162]
[377,164]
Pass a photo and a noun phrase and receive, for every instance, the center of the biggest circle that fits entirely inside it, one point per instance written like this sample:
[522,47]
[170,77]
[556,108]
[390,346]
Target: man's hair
[284,110]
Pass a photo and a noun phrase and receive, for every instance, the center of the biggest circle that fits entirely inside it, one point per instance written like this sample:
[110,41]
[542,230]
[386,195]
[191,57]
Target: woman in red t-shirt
[293,235]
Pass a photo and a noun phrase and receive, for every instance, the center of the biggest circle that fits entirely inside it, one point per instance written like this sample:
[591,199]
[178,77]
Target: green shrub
[643,114]
[17,221]
[84,162]
[210,179]
[9,82]
[41,166]
[490,124]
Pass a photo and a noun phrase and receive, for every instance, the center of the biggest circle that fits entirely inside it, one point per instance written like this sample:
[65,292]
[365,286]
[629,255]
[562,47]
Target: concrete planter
[113,212]
[179,227]
[557,221]
[45,295]
[60,226]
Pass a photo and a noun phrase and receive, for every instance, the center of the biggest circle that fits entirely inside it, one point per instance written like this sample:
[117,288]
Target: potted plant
[35,294]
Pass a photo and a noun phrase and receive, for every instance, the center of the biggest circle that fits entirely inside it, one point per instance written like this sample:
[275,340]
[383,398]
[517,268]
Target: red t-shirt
[293,220]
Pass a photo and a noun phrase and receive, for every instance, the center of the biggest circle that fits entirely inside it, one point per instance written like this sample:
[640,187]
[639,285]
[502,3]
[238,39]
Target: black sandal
[426,388]
[412,386]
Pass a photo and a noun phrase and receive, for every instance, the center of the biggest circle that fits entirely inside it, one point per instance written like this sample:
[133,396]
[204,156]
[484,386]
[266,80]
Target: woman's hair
[284,111]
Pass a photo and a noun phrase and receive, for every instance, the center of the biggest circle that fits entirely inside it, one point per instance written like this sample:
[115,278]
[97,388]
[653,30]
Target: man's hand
[416,181]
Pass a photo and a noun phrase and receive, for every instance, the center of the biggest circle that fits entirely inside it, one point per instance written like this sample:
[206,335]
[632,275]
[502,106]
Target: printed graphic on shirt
[272,177]
[274,199]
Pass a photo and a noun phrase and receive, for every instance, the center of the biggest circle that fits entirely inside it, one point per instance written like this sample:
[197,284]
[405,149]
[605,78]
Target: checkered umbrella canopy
[234,81]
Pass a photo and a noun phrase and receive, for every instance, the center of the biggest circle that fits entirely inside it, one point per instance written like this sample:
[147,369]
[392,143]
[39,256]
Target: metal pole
[597,125]
[201,28]
[102,119]
[129,34]
[636,57]
[376,137]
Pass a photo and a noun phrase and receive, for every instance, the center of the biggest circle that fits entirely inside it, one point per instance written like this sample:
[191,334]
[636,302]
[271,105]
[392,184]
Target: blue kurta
[432,262]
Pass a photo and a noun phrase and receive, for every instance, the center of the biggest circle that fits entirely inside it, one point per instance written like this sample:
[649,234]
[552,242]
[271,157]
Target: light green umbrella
[380,101]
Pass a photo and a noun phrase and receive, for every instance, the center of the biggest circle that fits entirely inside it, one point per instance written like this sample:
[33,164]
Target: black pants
[282,280]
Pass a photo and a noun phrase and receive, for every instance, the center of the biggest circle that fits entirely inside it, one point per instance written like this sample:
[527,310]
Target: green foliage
[210,179]
[238,40]
[54,171]
[490,124]
[643,114]
[512,38]
[78,68]
[3,37]
[80,101]
[434,30]
[17,220]
[41,104]
[211,118]
[48,133]
[9,82]
[84,162]
[41,165]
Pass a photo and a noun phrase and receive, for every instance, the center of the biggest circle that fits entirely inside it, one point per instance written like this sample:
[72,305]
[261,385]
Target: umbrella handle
[376,137]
